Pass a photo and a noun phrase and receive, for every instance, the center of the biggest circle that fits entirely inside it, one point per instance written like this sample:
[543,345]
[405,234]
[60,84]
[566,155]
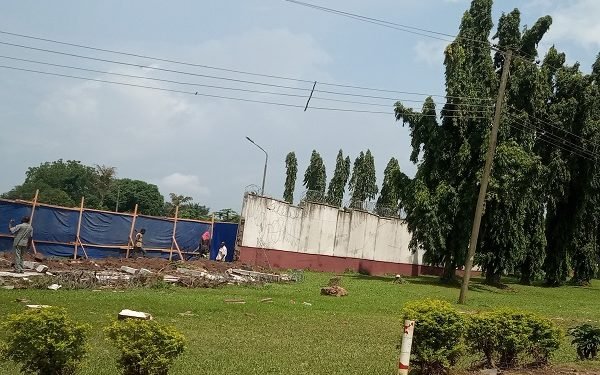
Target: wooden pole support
[77,239]
[173,241]
[130,243]
[35,199]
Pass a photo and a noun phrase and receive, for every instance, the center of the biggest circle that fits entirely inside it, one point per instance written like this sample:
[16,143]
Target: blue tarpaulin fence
[106,234]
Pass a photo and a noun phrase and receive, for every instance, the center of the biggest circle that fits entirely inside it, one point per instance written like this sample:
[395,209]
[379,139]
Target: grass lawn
[356,334]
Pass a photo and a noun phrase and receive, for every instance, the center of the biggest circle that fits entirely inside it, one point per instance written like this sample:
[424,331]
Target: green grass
[357,334]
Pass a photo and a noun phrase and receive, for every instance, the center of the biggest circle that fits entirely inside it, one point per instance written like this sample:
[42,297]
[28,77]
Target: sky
[195,144]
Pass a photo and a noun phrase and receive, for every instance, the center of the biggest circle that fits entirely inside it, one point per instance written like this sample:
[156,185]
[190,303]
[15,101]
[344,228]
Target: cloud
[186,144]
[183,184]
[573,21]
[430,52]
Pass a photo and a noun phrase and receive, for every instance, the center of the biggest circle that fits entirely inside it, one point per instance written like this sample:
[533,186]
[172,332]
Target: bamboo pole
[77,240]
[130,242]
[174,232]
[212,232]
[35,199]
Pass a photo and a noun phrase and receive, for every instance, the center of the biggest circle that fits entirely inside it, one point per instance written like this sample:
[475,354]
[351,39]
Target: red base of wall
[325,263]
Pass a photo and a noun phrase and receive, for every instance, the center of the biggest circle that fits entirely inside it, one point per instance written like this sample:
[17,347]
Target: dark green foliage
[586,339]
[315,178]
[44,341]
[129,192]
[227,215]
[291,171]
[337,185]
[363,183]
[187,208]
[508,338]
[389,201]
[146,348]
[438,336]
[62,183]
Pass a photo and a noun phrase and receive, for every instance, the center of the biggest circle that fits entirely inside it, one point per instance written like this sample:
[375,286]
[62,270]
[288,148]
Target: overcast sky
[196,145]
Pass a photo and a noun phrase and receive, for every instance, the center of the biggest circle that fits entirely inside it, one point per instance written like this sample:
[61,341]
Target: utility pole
[485,179]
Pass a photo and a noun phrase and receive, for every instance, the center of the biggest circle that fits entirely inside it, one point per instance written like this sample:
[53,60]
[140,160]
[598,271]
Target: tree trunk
[493,278]
[449,274]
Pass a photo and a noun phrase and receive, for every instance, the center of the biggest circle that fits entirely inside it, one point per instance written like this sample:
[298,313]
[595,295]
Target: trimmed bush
[438,337]
[508,338]
[586,338]
[146,347]
[44,341]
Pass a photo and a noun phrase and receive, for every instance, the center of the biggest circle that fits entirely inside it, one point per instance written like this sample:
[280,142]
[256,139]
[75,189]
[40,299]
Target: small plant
[438,336]
[508,337]
[587,339]
[44,341]
[146,347]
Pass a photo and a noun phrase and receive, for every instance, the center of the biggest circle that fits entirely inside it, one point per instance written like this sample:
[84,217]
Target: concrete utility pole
[485,179]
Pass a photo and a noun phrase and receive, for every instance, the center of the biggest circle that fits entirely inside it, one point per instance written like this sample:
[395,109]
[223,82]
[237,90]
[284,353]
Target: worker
[23,239]
[138,244]
[222,252]
[205,245]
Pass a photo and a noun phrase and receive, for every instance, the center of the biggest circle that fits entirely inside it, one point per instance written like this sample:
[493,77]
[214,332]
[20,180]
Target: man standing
[222,252]
[23,236]
[205,245]
[138,244]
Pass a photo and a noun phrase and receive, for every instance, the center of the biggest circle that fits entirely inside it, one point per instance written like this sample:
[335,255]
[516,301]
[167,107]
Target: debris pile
[334,288]
[141,272]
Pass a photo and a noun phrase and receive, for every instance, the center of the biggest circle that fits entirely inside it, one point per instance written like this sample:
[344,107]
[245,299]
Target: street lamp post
[262,189]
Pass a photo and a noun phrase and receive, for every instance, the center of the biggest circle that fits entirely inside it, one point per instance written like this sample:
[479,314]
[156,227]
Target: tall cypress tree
[291,170]
[388,202]
[315,177]
[337,185]
[363,183]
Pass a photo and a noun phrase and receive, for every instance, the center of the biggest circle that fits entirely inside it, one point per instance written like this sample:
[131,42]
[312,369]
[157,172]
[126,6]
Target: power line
[554,136]
[390,105]
[172,61]
[556,127]
[397,26]
[554,143]
[194,74]
[206,95]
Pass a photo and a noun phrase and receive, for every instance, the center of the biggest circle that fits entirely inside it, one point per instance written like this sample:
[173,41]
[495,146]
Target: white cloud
[574,21]
[430,52]
[184,184]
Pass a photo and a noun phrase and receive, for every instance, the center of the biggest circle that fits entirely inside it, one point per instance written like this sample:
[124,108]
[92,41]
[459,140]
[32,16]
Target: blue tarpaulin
[106,234]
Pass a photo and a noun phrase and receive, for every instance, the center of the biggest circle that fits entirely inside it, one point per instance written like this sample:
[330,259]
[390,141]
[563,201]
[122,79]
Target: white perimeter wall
[325,230]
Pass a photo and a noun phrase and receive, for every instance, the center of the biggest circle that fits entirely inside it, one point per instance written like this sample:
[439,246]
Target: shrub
[586,338]
[44,341]
[507,337]
[438,337]
[146,347]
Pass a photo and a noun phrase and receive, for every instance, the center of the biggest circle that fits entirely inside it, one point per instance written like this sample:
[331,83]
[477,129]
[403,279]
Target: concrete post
[407,337]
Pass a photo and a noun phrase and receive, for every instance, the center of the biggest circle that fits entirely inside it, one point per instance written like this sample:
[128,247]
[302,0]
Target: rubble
[38,306]
[336,291]
[240,301]
[130,314]
[120,273]
[130,270]
[54,287]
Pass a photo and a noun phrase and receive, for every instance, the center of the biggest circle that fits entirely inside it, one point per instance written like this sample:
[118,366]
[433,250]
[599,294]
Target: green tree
[131,192]
[363,183]
[315,177]
[337,185]
[60,182]
[227,215]
[445,186]
[291,171]
[106,176]
[389,201]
